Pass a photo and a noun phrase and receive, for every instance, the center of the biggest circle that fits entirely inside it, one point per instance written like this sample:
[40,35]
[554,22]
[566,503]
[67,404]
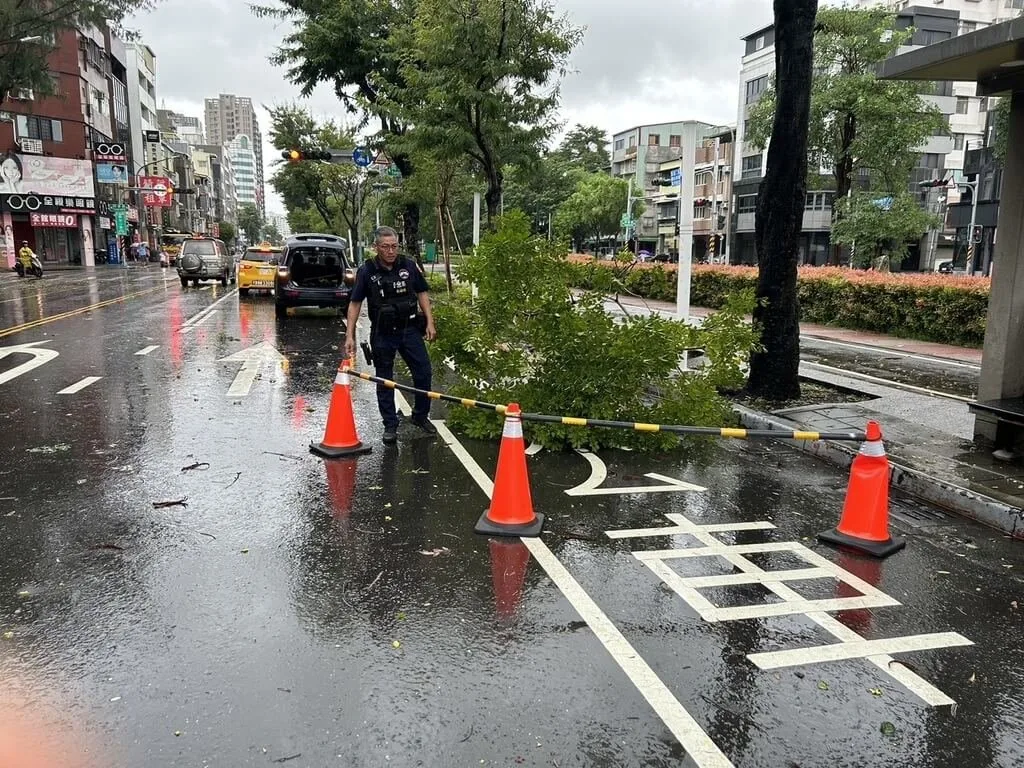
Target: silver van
[205,258]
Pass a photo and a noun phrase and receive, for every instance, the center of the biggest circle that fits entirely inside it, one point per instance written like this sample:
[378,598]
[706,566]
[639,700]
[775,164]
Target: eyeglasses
[387,246]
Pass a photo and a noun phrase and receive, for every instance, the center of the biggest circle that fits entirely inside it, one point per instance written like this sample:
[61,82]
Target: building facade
[228,117]
[224,182]
[245,165]
[648,154]
[184,127]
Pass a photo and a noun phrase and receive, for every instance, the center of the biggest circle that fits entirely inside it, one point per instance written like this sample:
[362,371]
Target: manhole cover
[920,516]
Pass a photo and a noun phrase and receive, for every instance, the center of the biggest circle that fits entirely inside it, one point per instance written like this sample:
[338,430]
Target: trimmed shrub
[933,307]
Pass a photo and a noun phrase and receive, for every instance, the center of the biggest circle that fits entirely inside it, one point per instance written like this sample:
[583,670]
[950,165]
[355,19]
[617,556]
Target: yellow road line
[71,313]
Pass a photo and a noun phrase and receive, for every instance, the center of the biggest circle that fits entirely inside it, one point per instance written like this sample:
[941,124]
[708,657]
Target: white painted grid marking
[79,386]
[851,644]
[147,350]
[698,745]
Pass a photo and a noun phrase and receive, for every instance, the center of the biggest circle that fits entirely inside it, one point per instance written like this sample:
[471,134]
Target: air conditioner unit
[31,146]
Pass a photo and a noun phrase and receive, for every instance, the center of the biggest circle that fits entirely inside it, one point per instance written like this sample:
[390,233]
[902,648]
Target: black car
[314,271]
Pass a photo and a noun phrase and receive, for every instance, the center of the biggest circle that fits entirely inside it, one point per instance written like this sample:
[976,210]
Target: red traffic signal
[700,201]
[933,183]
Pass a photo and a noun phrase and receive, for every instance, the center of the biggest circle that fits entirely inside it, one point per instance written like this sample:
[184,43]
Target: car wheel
[184,282]
[243,291]
[195,282]
[280,310]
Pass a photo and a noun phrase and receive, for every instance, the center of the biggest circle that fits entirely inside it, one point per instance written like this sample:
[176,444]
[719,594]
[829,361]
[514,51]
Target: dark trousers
[409,344]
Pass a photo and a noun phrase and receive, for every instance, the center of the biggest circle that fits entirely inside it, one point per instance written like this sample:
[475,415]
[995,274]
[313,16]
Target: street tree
[880,226]
[250,222]
[336,192]
[594,210]
[228,233]
[585,148]
[780,207]
[859,123]
[350,45]
[271,233]
[30,30]
[481,79]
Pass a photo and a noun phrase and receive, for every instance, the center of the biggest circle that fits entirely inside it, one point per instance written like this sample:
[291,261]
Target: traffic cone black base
[890,546]
[529,530]
[328,452]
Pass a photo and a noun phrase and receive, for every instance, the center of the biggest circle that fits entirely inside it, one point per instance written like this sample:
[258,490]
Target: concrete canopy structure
[994,58]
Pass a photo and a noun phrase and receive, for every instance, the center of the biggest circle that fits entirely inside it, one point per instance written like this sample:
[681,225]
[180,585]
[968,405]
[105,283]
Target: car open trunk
[317,268]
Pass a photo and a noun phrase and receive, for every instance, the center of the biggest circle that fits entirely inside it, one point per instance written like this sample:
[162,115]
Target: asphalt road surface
[313,613]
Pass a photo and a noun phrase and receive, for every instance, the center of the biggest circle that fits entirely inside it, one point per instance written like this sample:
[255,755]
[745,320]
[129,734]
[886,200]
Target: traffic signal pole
[970,230]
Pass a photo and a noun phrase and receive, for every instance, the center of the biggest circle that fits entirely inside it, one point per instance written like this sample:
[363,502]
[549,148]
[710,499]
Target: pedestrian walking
[398,305]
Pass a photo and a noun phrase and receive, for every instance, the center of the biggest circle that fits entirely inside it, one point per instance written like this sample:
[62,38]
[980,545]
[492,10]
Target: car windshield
[199,247]
[322,256]
[262,256]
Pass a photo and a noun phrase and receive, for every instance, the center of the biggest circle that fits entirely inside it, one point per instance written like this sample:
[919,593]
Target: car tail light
[282,272]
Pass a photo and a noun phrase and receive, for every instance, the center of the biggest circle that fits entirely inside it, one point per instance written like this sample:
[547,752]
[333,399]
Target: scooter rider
[394,289]
[25,257]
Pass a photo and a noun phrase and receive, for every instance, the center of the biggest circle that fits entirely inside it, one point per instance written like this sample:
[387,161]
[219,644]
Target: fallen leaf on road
[876,691]
[24,593]
[435,552]
[823,685]
[388,505]
[396,644]
[177,733]
[1013,604]
[175,503]
[888,728]
[387,517]
[245,551]
[401,616]
[972,678]
[8,635]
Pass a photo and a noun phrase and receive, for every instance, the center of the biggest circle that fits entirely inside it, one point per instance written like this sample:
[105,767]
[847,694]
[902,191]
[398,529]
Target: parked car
[257,268]
[204,258]
[314,271]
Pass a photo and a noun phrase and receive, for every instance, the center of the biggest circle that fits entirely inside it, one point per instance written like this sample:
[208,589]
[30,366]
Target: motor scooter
[36,268]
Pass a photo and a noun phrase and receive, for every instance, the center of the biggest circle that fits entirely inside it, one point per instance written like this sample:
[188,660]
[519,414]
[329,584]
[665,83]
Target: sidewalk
[929,439]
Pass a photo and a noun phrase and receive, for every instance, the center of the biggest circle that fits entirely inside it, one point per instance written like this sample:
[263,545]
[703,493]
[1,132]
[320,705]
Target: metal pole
[730,208]
[685,273]
[970,230]
[549,225]
[714,201]
[629,210]
[476,218]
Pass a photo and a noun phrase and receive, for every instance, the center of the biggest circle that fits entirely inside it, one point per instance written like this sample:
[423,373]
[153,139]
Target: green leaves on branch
[594,210]
[880,227]
[526,338]
[250,222]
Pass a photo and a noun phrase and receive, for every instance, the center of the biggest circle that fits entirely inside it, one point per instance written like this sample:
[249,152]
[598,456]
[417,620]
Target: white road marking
[858,649]
[40,356]
[815,610]
[599,473]
[79,386]
[887,382]
[200,321]
[147,350]
[698,745]
[252,359]
[204,312]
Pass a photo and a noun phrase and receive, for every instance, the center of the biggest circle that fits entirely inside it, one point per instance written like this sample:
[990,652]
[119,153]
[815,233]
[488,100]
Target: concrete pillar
[1002,367]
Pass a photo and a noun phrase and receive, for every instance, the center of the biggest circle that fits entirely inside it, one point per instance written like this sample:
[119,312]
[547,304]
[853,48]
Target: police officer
[394,289]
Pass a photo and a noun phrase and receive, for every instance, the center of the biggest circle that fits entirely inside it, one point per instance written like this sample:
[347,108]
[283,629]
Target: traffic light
[933,183]
[661,182]
[295,155]
[721,221]
[700,201]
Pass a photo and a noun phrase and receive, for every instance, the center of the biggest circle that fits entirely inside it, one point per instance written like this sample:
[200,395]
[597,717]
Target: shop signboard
[54,220]
[156,191]
[46,176]
[111,173]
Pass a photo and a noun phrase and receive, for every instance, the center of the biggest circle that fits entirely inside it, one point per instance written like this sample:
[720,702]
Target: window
[958,141]
[620,143]
[632,141]
[819,201]
[1018,4]
[675,141]
[931,36]
[751,166]
[961,104]
[700,211]
[966,27]
[757,86]
[983,104]
[701,177]
[42,128]
[653,140]
[929,160]
[759,43]
[746,203]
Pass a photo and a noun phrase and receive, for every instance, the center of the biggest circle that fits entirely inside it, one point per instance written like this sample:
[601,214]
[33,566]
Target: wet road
[344,613]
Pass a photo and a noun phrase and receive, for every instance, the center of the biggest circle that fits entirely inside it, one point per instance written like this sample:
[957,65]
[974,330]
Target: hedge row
[933,307]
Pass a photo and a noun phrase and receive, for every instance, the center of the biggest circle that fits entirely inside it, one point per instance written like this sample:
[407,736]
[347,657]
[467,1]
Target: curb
[983,509]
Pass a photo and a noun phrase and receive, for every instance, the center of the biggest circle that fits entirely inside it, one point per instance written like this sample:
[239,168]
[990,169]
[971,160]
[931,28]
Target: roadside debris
[175,503]
[197,465]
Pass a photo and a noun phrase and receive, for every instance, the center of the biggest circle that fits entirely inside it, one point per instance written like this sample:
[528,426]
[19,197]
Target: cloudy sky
[641,61]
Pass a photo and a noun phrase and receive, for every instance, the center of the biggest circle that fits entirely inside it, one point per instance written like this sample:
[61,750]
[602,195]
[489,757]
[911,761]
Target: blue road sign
[361,157]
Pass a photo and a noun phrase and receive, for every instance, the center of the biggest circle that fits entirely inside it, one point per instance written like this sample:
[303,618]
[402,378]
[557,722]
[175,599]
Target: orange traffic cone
[864,525]
[340,438]
[511,511]
[509,560]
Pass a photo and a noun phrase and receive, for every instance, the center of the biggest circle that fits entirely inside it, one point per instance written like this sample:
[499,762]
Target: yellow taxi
[257,269]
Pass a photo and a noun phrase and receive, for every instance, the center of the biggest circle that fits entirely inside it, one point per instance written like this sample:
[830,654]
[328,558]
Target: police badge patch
[404,274]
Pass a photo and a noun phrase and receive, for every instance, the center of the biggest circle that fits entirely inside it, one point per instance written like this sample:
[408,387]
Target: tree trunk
[495,186]
[780,206]
[411,228]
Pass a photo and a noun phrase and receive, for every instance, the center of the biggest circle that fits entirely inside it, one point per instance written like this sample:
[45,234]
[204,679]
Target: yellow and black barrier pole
[637,426]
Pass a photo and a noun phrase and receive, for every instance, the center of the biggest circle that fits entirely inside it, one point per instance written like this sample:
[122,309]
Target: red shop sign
[54,220]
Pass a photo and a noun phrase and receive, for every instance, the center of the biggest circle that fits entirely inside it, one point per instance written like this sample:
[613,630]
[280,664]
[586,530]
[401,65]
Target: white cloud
[641,61]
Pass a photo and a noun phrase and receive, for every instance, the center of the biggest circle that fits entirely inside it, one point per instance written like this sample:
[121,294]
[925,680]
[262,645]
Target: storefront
[49,202]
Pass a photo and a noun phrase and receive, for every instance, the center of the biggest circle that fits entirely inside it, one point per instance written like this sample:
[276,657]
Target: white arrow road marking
[79,386]
[252,360]
[147,350]
[39,357]
[599,473]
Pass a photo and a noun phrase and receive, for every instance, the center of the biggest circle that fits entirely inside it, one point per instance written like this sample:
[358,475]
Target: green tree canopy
[858,123]
[272,234]
[480,79]
[24,65]
[585,148]
[250,222]
[594,210]
[228,233]
[877,226]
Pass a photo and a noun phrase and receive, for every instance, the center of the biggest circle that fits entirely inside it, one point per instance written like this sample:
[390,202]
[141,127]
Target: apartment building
[184,127]
[223,181]
[228,117]
[672,152]
[245,163]
[930,24]
[141,72]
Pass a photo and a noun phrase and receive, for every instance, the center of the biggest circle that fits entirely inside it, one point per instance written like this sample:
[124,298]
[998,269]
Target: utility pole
[970,229]
[629,210]
[714,203]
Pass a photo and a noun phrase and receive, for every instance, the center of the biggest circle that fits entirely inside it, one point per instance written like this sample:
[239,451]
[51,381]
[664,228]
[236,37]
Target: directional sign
[393,171]
[121,222]
[39,357]
[626,222]
[599,473]
[361,157]
[252,360]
